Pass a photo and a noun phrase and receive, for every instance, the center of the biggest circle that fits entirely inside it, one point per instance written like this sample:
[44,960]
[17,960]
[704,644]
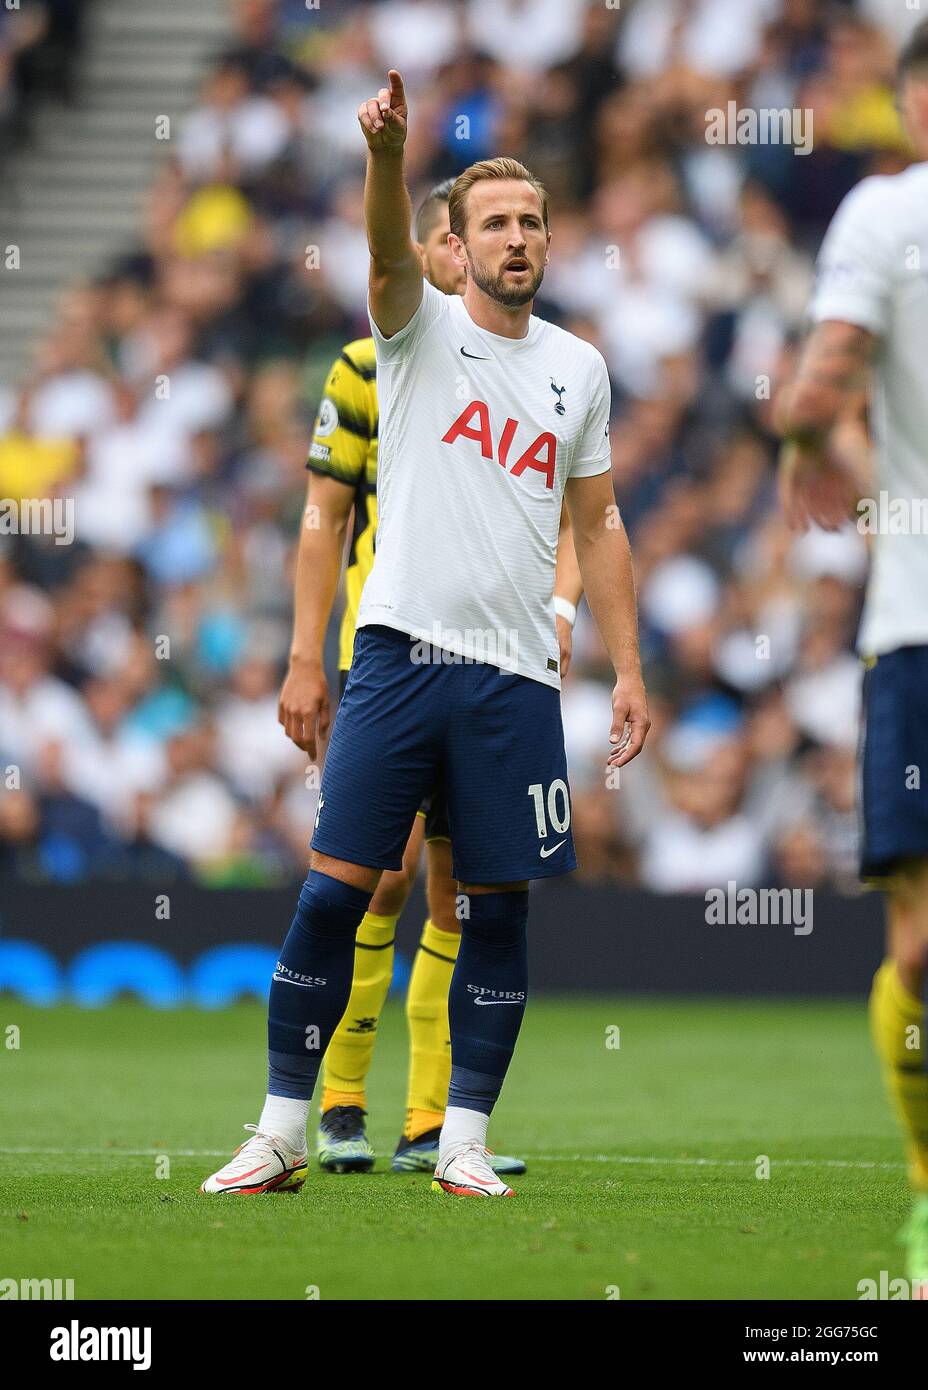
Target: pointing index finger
[397,90]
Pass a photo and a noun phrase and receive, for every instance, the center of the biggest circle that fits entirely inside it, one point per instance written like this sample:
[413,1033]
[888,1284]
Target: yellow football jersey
[344,446]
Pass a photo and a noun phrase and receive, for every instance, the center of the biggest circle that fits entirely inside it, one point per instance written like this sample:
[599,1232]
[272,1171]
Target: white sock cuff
[462,1127]
[285,1118]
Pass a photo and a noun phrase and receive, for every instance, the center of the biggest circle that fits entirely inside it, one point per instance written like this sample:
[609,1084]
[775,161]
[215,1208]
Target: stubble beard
[496,288]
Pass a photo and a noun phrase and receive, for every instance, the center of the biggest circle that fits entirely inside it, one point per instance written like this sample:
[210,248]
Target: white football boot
[466,1172]
[262,1164]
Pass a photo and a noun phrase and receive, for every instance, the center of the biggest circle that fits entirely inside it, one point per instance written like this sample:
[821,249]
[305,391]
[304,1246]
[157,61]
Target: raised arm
[395,280]
[605,562]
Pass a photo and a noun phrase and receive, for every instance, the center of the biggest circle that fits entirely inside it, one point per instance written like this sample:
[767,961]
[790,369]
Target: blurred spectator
[706,838]
[195,817]
[40,41]
[235,132]
[527,36]
[250,748]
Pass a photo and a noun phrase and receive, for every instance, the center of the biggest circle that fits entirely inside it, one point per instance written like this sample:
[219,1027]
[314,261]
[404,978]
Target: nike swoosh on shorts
[546,853]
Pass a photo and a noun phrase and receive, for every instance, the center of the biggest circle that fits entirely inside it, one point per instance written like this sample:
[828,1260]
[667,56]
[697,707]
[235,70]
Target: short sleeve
[592,453]
[433,305]
[342,431]
[854,274]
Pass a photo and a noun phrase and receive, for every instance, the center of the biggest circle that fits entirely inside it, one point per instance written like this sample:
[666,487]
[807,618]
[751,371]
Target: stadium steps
[73,198]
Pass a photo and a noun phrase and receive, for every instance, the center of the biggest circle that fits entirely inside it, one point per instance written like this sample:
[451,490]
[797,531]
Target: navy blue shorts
[489,742]
[895,761]
[434,808]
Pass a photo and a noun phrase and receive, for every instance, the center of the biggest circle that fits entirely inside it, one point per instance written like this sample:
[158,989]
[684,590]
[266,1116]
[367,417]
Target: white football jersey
[873,272]
[478,436]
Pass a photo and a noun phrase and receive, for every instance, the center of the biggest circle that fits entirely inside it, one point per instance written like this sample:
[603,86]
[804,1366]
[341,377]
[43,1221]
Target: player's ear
[422,257]
[456,245]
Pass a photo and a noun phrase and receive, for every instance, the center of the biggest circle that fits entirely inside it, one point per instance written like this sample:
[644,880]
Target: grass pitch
[642,1162]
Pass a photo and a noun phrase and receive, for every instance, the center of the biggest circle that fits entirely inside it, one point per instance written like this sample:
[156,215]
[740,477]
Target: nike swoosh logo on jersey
[546,853]
[480,1000]
[475,357]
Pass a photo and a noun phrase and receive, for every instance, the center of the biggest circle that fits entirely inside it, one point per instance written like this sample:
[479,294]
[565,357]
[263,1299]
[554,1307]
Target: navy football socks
[312,982]
[486,1001]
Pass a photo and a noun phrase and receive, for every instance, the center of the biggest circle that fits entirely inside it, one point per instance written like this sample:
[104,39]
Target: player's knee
[357,875]
[443,898]
[442,889]
[392,892]
[327,908]
[907,937]
[910,955]
[498,921]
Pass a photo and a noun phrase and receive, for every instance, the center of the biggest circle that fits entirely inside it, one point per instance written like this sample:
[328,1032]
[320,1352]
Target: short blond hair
[499,168]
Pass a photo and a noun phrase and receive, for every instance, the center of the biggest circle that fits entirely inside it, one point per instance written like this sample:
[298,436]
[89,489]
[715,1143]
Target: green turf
[690,1081]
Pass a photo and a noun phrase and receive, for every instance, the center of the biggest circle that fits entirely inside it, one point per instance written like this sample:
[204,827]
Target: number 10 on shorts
[558,807]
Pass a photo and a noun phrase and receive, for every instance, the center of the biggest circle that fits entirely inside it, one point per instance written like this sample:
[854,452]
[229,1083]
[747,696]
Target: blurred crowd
[173,400]
[39,43]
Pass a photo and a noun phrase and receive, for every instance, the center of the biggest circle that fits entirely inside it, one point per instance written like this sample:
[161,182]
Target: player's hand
[304,708]
[630,720]
[383,117]
[565,640]
[816,488]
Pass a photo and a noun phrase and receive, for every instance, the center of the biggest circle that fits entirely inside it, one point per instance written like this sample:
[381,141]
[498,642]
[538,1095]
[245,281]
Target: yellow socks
[897,1021]
[348,1058]
[429,1036]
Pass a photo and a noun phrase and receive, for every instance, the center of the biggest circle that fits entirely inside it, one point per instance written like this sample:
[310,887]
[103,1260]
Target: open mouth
[518,264]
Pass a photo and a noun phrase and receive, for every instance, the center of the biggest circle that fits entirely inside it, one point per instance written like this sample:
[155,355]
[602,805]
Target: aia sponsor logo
[474,423]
